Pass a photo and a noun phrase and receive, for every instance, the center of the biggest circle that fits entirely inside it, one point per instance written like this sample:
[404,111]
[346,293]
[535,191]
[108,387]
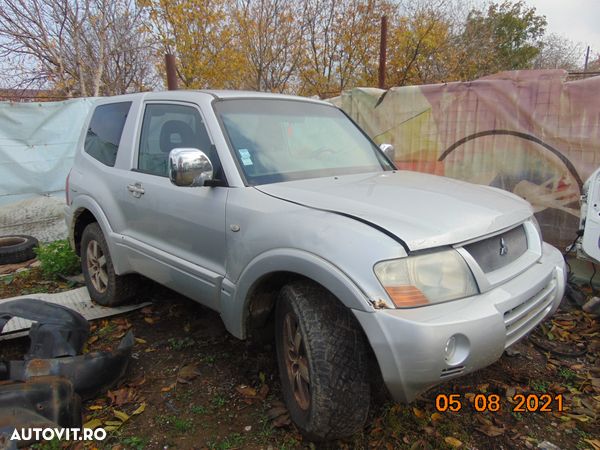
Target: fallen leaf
[149,320]
[113,423]
[140,409]
[420,414]
[453,442]
[93,424]
[168,388]
[416,445]
[491,430]
[121,396]
[123,417]
[246,391]
[96,407]
[595,443]
[436,416]
[263,391]
[140,341]
[187,373]
[581,418]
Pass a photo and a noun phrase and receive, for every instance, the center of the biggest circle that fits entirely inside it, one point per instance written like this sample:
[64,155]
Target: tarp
[37,146]
[529,132]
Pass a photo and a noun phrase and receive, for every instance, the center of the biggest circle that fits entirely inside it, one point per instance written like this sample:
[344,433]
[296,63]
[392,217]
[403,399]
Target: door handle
[136,189]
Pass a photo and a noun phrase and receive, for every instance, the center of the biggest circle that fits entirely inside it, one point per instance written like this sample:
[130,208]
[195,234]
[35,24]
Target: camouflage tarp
[529,132]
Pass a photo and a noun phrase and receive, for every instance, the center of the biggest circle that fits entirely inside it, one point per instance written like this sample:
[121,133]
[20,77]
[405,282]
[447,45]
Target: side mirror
[388,150]
[189,167]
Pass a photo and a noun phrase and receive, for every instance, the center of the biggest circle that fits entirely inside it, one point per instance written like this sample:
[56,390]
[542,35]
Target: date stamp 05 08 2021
[492,402]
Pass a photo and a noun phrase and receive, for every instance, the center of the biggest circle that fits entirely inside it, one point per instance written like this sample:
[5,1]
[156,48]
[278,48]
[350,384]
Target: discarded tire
[17,248]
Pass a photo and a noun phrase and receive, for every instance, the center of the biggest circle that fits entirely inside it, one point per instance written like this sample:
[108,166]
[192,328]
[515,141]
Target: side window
[104,133]
[165,127]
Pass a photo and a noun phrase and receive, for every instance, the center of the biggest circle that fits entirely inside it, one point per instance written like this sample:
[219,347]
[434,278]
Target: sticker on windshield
[245,155]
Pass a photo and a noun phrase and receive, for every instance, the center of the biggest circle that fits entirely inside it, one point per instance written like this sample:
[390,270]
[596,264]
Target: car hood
[421,210]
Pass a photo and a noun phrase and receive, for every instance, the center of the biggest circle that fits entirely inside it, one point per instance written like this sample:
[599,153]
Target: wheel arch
[257,289]
[86,211]
[82,217]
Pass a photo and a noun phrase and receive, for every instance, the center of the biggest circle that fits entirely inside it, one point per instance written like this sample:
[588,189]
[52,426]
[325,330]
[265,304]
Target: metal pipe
[171,72]
[587,58]
[382,52]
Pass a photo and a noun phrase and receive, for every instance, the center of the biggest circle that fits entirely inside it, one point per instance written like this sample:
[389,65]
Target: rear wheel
[322,358]
[104,285]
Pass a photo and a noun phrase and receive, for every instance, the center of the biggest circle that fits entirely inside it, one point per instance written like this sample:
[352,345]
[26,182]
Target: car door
[176,235]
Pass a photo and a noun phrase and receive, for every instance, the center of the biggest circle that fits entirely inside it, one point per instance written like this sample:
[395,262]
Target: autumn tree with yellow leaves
[307,47]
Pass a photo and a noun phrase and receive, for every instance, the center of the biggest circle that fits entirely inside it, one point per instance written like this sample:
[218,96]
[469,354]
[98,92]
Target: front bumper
[411,344]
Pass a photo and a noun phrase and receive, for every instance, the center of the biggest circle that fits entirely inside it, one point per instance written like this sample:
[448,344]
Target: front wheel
[322,359]
[105,287]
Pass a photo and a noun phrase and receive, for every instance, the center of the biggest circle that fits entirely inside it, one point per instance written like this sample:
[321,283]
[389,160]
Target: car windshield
[284,140]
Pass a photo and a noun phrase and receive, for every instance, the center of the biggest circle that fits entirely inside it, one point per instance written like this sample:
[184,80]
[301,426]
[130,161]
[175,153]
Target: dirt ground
[192,385]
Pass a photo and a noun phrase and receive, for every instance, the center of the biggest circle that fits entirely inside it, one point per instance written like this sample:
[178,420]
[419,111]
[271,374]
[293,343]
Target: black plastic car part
[57,331]
[49,399]
[45,389]
[90,374]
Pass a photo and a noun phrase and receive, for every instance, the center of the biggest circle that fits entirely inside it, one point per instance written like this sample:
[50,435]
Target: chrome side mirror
[389,151]
[189,167]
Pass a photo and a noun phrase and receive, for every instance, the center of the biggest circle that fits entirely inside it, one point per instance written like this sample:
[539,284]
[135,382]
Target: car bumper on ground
[421,347]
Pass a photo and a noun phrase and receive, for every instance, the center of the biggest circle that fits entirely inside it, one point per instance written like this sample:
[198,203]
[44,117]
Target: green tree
[505,37]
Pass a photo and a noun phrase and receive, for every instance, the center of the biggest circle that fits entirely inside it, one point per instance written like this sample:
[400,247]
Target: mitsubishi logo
[503,248]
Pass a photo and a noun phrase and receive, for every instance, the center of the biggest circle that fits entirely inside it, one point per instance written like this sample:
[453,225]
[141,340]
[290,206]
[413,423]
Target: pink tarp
[529,132]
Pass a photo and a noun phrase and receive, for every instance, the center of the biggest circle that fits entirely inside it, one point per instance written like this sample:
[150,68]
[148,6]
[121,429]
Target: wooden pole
[382,52]
[171,72]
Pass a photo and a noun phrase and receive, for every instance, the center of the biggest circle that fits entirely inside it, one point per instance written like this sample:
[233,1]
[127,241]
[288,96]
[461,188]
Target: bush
[58,258]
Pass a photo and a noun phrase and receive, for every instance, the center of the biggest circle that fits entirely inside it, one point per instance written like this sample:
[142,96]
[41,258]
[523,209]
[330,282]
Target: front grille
[522,318]
[499,251]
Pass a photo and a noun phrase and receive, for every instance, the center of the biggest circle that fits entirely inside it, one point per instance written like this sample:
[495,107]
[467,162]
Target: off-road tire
[120,289]
[337,357]
[17,248]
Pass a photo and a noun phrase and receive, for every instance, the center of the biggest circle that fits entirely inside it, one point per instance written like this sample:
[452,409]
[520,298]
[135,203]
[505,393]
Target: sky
[578,20]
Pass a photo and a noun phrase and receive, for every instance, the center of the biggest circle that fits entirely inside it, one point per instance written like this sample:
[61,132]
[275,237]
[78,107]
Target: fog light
[450,347]
[456,350]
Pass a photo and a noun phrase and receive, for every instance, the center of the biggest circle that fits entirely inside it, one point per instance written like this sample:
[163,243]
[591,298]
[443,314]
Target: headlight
[425,279]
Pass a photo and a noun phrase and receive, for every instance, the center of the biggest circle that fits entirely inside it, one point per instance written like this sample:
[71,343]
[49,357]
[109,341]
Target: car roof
[218,94]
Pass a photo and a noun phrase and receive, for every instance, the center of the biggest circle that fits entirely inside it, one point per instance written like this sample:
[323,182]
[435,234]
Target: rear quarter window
[104,132]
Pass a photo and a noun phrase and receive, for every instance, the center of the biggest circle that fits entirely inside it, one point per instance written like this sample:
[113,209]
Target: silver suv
[279,211]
